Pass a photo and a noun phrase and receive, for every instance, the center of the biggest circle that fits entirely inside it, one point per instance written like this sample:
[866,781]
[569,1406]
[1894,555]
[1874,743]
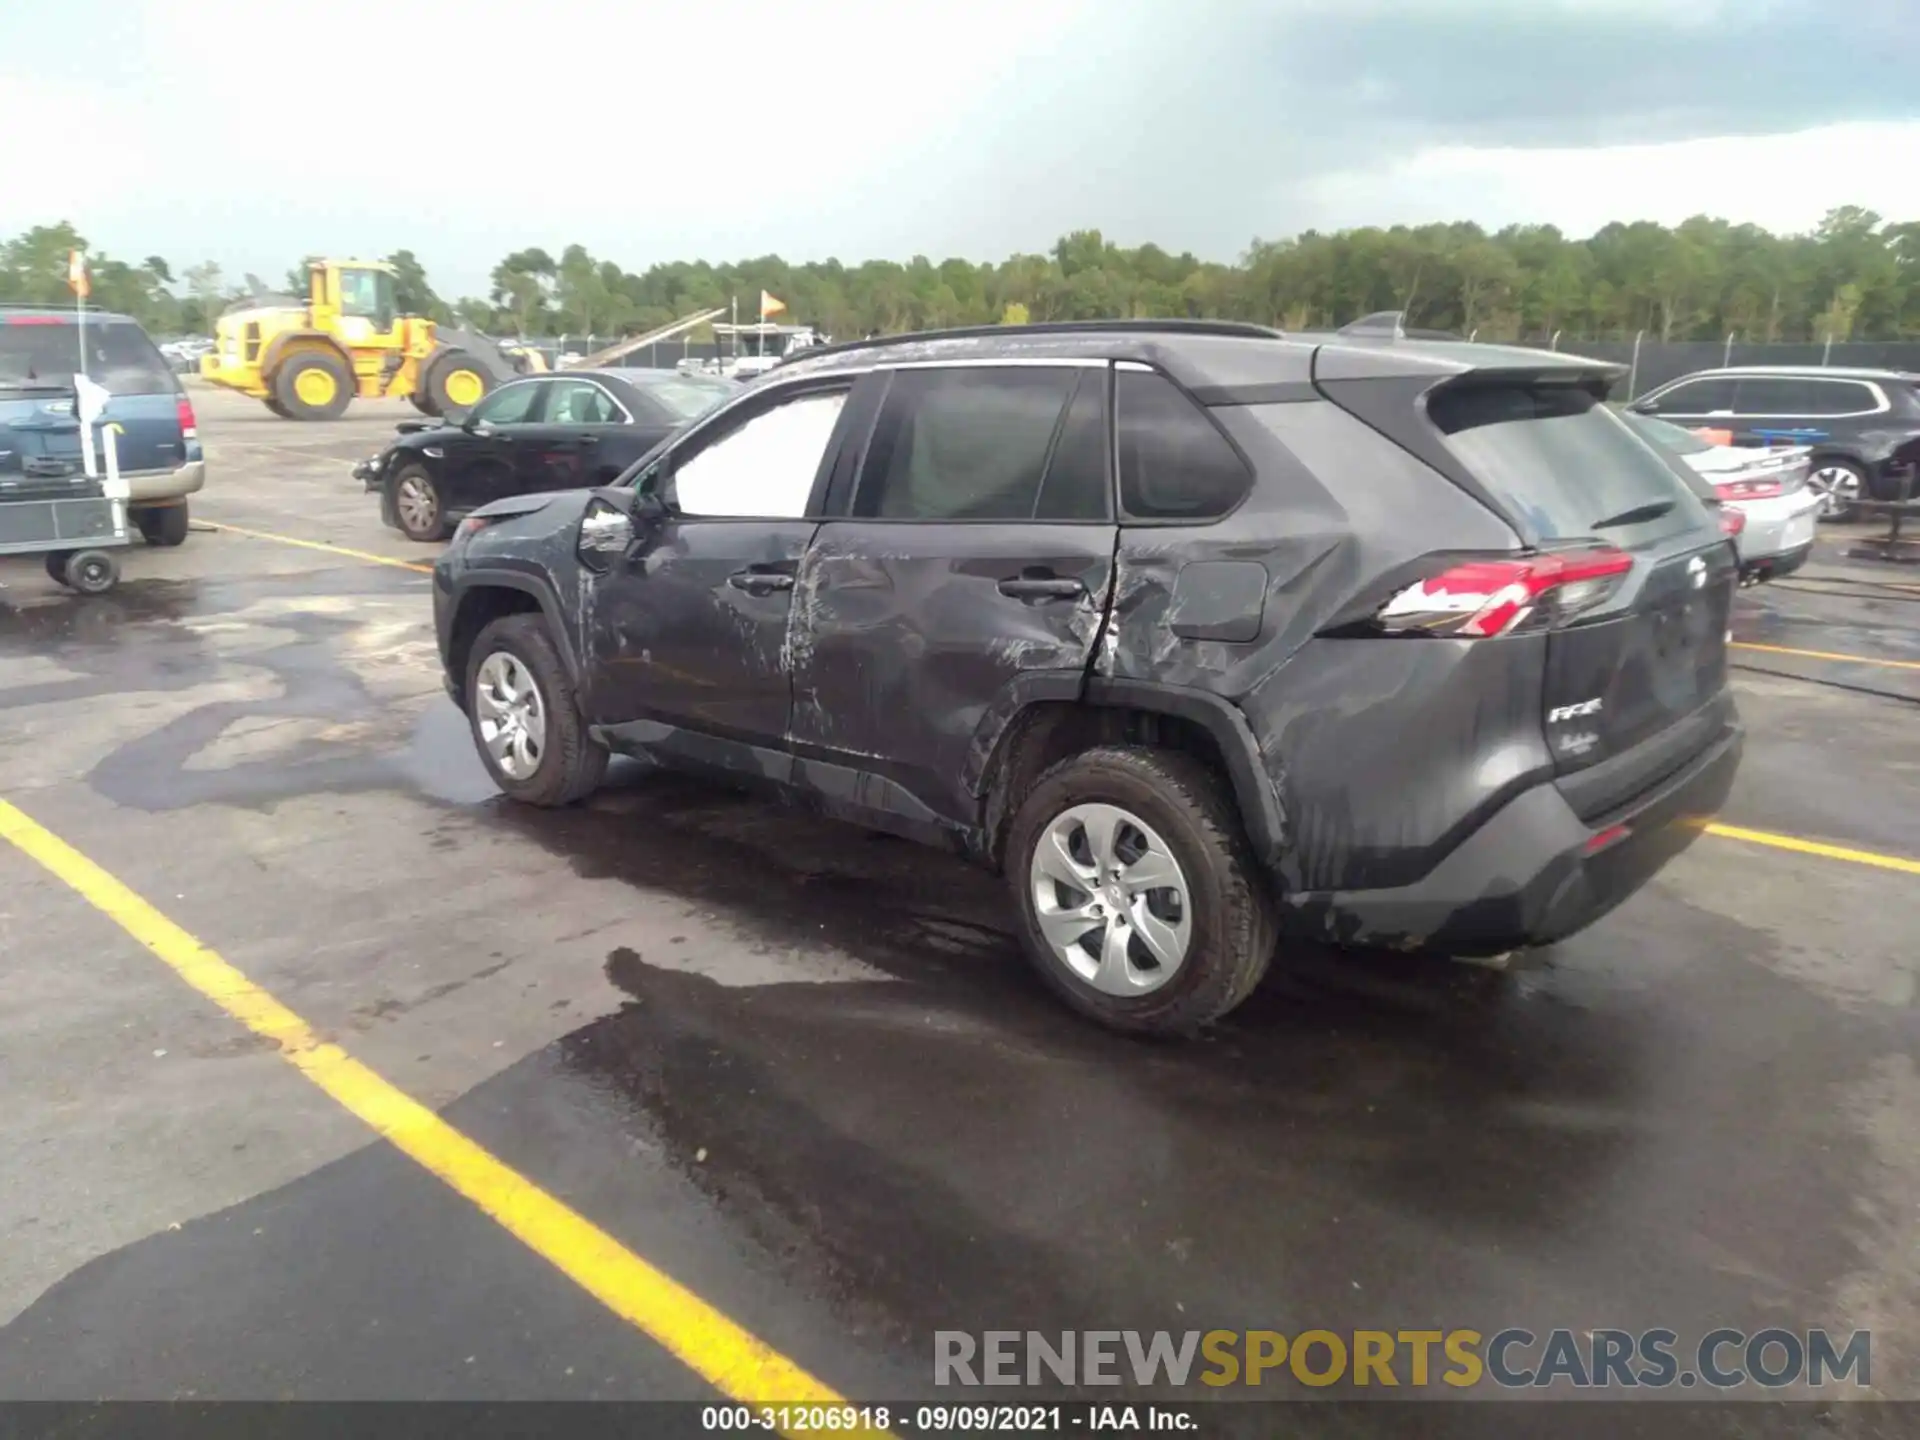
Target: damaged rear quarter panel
[1336,508]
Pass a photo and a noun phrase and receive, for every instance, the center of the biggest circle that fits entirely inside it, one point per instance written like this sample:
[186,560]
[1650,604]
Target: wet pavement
[804,1070]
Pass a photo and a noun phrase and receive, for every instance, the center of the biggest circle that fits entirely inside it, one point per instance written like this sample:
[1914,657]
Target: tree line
[1854,277]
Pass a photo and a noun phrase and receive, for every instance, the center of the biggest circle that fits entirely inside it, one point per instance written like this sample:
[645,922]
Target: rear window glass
[1559,458]
[1667,436]
[120,357]
[685,397]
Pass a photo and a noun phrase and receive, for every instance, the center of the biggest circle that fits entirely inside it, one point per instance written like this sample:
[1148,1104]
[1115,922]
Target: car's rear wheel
[418,505]
[1138,899]
[163,525]
[525,721]
[1841,485]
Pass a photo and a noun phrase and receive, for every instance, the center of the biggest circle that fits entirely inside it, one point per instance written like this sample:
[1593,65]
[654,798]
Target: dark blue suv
[158,440]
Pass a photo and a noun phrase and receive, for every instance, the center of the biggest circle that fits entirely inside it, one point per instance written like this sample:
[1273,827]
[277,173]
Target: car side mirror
[607,533]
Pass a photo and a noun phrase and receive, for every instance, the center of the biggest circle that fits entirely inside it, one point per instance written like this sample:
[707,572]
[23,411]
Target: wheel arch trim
[1261,813]
[543,595]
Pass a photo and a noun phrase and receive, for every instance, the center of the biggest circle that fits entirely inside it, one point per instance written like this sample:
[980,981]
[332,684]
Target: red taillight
[1748,489]
[35,320]
[1484,598]
[1606,839]
[1732,522]
[189,427]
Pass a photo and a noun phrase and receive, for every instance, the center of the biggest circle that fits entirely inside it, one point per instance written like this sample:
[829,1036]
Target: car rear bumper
[148,487]
[1777,526]
[1534,872]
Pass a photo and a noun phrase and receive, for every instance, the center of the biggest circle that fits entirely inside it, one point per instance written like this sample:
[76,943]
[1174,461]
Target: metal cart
[52,507]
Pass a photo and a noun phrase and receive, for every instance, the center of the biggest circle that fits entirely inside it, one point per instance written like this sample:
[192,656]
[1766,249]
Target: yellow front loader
[308,359]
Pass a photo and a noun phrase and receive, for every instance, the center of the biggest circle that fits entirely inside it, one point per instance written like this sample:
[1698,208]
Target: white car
[1767,489]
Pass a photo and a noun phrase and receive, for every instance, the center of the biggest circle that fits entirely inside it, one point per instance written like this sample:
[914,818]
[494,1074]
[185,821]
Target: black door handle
[1037,587]
[758,582]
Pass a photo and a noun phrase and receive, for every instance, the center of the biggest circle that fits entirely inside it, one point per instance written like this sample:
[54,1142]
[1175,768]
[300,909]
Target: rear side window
[120,357]
[969,443]
[1794,395]
[1174,463]
[1077,486]
[1558,457]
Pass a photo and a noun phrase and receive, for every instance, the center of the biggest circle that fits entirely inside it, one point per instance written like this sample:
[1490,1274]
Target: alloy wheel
[1838,488]
[417,505]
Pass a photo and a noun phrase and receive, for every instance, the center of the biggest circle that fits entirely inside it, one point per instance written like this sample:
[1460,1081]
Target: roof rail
[1232,328]
[87,305]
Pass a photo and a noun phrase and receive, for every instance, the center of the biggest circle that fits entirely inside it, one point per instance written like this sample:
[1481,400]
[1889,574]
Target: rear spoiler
[1386,388]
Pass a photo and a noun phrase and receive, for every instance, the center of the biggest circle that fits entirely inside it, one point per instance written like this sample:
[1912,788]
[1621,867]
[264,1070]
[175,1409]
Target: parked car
[157,436]
[1862,427]
[1767,489]
[1203,635]
[544,432]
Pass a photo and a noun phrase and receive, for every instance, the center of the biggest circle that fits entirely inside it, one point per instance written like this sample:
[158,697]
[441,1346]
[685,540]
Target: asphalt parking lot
[803,1072]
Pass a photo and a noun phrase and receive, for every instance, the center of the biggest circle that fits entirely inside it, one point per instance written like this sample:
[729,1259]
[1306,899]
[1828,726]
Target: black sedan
[545,432]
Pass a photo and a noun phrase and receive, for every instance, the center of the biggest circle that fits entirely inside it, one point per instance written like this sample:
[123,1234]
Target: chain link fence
[1649,362]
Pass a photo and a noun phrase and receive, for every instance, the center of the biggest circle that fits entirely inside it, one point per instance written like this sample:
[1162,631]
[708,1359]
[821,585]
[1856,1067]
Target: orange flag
[77,275]
[769,305]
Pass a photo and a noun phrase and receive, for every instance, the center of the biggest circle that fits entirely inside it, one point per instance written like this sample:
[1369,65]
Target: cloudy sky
[255,131]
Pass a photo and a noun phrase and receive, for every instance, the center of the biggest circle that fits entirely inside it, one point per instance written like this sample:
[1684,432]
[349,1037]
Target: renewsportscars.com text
[1512,1358]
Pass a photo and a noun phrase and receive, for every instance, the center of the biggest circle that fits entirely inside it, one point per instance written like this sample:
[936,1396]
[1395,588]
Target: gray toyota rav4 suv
[1204,636]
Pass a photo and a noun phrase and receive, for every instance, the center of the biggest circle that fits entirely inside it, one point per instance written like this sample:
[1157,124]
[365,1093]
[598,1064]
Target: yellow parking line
[323,546]
[719,1351]
[1827,655]
[1816,847]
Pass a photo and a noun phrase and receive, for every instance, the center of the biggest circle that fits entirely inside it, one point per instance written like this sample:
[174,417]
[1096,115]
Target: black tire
[163,525]
[1841,506]
[286,383]
[423,402]
[56,563]
[571,762]
[442,369]
[92,572]
[425,529]
[277,408]
[1232,921]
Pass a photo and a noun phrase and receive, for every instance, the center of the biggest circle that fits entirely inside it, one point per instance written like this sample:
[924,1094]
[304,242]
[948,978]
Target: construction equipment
[632,345]
[308,358]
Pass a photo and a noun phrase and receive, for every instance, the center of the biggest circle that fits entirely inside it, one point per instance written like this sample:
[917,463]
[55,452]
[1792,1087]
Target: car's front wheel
[525,721]
[418,505]
[1138,898]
